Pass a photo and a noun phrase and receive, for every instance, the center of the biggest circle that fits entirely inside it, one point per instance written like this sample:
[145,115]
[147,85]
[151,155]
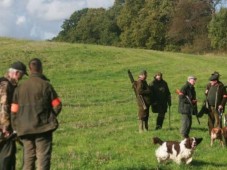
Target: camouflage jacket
[7,87]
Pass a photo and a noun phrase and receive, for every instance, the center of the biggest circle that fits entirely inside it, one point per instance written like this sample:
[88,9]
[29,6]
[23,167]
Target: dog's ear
[157,140]
[188,142]
[198,140]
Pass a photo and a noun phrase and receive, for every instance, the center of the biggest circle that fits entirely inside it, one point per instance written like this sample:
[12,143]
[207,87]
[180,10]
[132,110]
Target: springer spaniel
[179,152]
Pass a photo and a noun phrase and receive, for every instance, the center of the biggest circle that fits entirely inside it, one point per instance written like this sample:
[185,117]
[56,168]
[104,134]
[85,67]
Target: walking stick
[169,117]
[220,118]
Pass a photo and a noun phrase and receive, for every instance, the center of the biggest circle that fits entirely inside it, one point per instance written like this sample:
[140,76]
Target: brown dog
[216,133]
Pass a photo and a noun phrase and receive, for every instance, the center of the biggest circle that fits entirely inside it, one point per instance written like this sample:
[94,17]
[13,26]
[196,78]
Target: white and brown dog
[179,152]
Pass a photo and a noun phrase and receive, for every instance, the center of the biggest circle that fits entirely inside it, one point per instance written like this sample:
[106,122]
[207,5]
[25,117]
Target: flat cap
[192,77]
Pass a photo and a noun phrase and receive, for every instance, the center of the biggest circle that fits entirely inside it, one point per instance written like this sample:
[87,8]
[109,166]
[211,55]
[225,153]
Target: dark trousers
[8,155]
[37,147]
[159,120]
[186,123]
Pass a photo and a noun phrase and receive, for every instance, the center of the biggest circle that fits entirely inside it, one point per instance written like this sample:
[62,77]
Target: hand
[220,108]
[194,102]
[5,133]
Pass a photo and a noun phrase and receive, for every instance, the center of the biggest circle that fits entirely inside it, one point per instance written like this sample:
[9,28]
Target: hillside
[98,123]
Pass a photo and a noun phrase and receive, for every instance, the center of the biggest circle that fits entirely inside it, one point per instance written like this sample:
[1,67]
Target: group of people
[28,112]
[158,96]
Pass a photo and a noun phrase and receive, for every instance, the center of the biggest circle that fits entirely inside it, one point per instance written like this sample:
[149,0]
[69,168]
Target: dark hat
[143,72]
[19,66]
[214,77]
[216,73]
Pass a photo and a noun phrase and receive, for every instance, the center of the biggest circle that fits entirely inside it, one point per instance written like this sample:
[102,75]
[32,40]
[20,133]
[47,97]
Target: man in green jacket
[187,105]
[35,108]
[216,97]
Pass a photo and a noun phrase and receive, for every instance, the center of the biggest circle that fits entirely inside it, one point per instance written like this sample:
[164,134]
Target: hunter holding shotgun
[216,97]
[143,90]
[187,105]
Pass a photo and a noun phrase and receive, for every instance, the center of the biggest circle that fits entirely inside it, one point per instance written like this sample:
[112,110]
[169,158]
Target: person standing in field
[8,84]
[187,105]
[35,108]
[143,90]
[216,97]
[160,99]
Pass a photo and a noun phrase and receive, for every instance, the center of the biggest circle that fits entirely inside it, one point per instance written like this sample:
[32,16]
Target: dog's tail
[157,140]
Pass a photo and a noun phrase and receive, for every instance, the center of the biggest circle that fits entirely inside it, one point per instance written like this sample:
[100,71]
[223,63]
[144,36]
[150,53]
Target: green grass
[98,124]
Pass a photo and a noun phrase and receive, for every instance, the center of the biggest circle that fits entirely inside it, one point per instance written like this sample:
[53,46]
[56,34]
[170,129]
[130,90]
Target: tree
[218,30]
[189,23]
[127,19]
[69,25]
[96,27]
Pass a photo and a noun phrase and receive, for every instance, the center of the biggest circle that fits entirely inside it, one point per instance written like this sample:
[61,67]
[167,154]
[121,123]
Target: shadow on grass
[195,164]
[198,163]
[202,129]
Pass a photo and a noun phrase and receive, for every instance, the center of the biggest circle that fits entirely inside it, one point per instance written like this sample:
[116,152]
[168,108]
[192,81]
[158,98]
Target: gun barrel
[139,97]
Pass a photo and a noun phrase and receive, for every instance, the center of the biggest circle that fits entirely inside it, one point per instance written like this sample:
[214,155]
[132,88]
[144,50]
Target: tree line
[167,25]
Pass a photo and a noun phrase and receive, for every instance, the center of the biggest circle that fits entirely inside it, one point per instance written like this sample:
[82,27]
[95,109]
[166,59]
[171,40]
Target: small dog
[179,152]
[216,133]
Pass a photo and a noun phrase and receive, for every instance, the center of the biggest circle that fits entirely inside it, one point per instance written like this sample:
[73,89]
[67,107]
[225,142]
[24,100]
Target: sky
[40,19]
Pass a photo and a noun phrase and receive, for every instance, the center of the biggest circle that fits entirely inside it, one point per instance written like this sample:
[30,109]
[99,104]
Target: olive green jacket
[35,106]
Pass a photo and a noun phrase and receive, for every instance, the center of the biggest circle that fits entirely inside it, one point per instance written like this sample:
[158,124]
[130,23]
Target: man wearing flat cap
[216,97]
[187,105]
[143,90]
[8,84]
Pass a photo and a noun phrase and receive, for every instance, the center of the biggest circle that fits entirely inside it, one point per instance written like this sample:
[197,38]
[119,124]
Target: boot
[146,125]
[159,122]
[140,126]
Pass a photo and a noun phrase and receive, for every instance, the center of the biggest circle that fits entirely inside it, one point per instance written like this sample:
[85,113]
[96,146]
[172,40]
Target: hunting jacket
[7,87]
[220,96]
[35,106]
[185,104]
[160,96]
[143,89]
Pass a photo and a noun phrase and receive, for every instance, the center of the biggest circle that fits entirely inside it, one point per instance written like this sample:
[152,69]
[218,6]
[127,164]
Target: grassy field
[98,124]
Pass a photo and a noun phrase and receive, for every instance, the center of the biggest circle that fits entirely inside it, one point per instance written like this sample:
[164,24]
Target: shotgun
[139,97]
[189,100]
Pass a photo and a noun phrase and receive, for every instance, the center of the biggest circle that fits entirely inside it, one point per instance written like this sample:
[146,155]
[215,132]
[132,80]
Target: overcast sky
[40,19]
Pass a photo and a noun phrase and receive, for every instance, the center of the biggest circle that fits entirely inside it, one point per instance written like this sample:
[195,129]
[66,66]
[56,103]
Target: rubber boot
[140,126]
[159,122]
[146,125]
